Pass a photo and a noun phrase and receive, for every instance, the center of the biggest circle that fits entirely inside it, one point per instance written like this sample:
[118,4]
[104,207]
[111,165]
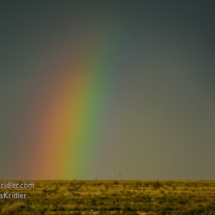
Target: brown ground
[112,197]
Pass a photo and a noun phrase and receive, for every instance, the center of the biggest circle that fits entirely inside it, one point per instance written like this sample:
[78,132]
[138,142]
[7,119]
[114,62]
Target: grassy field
[111,197]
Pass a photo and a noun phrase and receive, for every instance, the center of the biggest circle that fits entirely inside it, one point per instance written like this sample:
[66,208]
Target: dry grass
[113,197]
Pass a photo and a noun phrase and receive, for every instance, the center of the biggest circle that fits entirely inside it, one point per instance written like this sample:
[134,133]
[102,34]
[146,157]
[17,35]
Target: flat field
[109,197]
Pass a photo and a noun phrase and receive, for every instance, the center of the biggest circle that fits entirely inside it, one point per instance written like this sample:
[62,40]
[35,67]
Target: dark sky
[164,103]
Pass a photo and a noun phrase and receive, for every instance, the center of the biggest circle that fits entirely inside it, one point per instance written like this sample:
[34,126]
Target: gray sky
[161,117]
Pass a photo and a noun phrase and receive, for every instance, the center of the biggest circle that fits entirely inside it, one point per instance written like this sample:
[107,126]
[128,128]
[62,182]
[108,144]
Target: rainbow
[71,110]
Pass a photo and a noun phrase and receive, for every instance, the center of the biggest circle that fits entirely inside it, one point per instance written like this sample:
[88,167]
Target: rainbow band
[72,116]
